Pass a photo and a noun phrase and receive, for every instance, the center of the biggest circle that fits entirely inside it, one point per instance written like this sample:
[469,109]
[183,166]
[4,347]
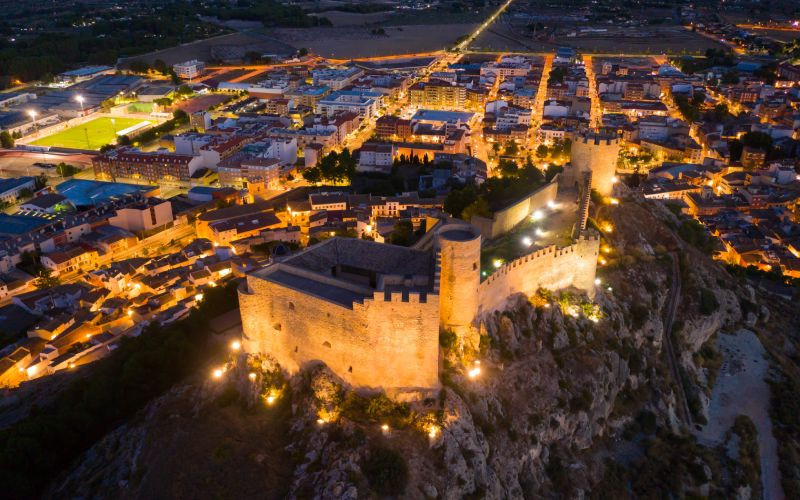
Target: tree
[163,102]
[160,66]
[25,193]
[66,170]
[39,181]
[508,168]
[6,140]
[302,52]
[458,199]
[402,233]
[541,151]
[511,148]
[479,207]
[44,279]
[138,67]
[107,104]
[312,175]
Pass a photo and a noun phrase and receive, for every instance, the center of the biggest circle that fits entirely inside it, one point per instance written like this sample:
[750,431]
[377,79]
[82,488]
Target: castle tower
[596,152]
[459,248]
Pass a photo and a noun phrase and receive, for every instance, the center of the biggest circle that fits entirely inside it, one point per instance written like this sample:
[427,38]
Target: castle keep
[595,152]
[372,312]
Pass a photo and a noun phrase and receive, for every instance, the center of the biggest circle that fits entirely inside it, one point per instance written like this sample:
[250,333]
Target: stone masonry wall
[378,344]
[552,268]
[504,220]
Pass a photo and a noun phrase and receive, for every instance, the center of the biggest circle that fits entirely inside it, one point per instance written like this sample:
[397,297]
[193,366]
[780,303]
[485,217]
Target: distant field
[354,42]
[90,135]
[780,35]
[653,40]
[339,18]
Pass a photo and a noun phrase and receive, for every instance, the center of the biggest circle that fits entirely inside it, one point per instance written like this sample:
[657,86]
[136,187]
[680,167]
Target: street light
[79,98]
[32,114]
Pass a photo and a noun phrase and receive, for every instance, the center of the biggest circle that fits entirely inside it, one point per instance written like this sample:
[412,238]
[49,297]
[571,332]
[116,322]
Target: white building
[335,78]
[140,217]
[364,104]
[10,188]
[376,157]
[189,69]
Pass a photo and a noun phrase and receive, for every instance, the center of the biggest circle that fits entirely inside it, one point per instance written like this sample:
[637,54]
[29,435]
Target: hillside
[572,400]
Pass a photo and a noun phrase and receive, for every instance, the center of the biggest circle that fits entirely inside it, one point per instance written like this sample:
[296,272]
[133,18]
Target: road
[595,114]
[669,320]
[471,37]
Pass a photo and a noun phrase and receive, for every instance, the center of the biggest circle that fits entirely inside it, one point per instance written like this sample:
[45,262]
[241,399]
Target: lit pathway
[541,97]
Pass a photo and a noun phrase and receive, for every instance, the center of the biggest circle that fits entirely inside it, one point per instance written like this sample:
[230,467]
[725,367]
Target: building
[227,231]
[190,69]
[376,157]
[753,157]
[372,312]
[83,74]
[150,166]
[336,78]
[239,172]
[11,188]
[47,204]
[307,95]
[149,215]
[437,94]
[363,103]
[69,260]
[387,127]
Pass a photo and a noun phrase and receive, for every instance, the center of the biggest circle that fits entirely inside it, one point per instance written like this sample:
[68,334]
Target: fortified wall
[505,220]
[552,268]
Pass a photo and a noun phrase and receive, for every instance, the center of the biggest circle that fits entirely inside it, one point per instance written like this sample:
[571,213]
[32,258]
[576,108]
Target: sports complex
[93,134]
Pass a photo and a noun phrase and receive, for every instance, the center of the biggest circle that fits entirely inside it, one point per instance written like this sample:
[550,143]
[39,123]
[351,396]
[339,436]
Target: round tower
[459,249]
[596,152]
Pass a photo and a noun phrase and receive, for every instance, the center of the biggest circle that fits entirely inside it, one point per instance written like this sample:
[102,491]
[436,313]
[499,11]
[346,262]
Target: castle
[372,312]
[596,153]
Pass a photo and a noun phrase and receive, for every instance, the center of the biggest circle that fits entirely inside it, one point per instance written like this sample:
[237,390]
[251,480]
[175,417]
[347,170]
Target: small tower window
[291,306]
[327,344]
[350,369]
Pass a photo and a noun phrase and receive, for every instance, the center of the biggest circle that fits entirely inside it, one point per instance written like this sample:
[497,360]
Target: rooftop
[82,192]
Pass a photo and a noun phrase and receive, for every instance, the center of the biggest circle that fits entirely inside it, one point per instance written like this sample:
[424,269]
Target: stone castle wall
[597,154]
[505,220]
[387,344]
[552,268]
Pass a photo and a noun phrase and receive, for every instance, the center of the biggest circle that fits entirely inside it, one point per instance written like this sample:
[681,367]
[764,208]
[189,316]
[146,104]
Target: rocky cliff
[565,398]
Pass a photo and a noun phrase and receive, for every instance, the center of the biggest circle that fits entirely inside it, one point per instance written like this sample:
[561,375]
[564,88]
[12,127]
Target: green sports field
[99,132]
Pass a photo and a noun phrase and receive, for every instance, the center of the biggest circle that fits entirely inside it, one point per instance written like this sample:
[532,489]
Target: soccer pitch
[90,135]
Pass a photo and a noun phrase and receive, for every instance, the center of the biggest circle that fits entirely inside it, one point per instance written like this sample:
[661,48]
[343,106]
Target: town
[357,201]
